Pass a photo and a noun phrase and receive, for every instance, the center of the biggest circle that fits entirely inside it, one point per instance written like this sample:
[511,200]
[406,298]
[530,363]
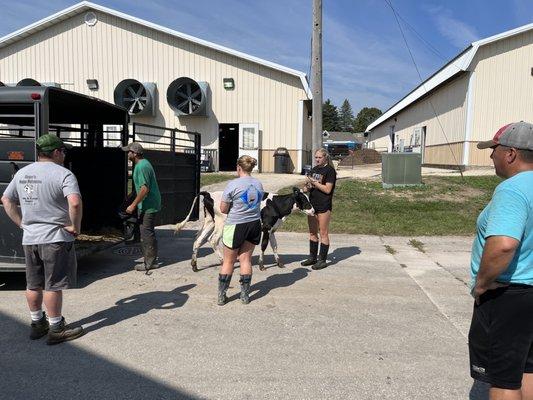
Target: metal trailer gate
[97,160]
[175,156]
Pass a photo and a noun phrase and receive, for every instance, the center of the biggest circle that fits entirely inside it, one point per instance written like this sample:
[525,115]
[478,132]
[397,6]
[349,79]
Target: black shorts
[234,236]
[500,340]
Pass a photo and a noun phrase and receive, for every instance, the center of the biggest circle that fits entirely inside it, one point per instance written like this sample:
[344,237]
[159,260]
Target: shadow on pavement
[263,287]
[136,305]
[32,370]
[123,257]
[337,255]
[479,391]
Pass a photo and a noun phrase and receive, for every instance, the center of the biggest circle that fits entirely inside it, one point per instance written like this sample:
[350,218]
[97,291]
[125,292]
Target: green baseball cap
[51,142]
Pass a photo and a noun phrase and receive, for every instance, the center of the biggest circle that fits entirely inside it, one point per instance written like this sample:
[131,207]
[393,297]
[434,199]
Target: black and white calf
[273,213]
[274,210]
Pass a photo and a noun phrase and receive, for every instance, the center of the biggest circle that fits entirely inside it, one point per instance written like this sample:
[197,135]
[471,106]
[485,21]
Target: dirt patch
[91,242]
[436,189]
[360,157]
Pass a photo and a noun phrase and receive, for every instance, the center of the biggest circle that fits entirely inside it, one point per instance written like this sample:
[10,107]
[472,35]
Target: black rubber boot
[322,263]
[39,328]
[223,285]
[313,251]
[245,281]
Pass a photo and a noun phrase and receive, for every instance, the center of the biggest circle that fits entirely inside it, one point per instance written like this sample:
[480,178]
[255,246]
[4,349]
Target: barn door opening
[228,146]
[423,144]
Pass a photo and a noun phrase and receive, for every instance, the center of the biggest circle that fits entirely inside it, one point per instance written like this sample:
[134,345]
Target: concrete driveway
[383,321]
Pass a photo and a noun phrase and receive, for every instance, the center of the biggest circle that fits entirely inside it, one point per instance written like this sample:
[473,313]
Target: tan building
[239,103]
[485,87]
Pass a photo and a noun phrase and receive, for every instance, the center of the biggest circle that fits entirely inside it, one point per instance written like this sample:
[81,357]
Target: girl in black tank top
[320,186]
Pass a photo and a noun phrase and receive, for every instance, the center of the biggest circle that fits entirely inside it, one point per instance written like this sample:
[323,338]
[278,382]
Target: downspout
[468,119]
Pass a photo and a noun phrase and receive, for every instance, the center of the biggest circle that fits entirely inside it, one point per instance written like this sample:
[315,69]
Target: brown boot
[61,333]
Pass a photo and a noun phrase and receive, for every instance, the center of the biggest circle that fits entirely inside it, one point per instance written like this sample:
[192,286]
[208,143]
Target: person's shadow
[262,288]
[342,253]
[136,305]
[479,391]
[336,256]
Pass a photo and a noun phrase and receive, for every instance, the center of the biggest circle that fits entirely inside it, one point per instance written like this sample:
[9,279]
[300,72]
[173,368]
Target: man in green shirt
[147,202]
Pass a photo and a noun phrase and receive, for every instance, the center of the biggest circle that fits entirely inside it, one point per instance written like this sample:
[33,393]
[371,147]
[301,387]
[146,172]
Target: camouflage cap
[51,142]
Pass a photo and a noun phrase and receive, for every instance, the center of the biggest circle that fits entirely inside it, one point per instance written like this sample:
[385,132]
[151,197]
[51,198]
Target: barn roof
[458,65]
[86,6]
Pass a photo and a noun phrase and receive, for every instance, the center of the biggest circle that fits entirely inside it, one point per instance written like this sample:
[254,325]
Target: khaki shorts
[51,266]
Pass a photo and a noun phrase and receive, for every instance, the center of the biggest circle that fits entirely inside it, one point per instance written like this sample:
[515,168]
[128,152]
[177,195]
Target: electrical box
[401,169]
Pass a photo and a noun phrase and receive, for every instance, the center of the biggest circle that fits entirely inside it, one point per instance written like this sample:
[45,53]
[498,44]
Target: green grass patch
[441,206]
[390,249]
[417,244]
[210,178]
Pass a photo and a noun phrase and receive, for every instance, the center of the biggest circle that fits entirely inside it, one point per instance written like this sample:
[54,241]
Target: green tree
[365,117]
[346,117]
[330,117]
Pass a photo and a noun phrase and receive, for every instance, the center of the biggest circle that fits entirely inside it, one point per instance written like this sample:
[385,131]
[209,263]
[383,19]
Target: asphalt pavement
[385,320]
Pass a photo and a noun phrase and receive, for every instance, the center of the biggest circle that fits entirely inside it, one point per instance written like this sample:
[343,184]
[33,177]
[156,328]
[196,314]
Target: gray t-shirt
[245,195]
[41,189]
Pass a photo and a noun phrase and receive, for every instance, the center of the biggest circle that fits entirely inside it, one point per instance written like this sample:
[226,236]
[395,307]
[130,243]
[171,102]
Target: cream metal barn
[239,103]
[485,87]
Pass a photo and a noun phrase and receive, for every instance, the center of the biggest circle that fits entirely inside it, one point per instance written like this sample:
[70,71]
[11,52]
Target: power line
[423,85]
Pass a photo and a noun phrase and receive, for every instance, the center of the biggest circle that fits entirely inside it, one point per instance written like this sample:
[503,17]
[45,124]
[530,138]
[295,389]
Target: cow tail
[181,224]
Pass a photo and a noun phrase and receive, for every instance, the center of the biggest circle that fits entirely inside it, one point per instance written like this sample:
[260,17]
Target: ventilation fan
[28,82]
[136,97]
[187,97]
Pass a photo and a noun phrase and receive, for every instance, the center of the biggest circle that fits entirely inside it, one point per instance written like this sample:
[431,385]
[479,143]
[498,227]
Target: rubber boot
[322,263]
[223,285]
[313,250]
[245,281]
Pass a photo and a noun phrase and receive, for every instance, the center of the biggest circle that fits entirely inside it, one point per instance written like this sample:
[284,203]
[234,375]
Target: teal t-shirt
[144,175]
[509,213]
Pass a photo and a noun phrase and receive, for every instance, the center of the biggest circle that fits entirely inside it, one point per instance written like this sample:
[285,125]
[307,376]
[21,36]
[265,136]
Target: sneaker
[321,264]
[308,262]
[61,333]
[39,328]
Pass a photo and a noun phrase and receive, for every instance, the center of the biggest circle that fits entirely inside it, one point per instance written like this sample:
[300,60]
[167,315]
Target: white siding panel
[504,85]
[449,102]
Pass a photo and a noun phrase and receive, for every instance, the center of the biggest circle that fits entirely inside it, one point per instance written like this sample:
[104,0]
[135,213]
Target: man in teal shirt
[501,333]
[147,202]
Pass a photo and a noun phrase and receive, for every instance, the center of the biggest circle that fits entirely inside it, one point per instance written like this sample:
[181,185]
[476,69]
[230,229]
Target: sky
[365,59]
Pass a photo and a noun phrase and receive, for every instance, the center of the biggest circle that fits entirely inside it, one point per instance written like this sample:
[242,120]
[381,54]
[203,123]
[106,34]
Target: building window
[248,139]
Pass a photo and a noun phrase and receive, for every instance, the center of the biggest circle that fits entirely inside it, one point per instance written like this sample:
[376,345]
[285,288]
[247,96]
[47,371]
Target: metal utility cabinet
[401,169]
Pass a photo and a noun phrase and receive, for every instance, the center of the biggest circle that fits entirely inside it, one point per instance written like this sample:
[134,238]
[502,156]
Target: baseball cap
[135,147]
[518,135]
[51,142]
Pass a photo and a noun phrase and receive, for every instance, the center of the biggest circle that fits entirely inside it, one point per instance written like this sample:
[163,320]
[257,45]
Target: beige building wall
[70,52]
[503,86]
[449,102]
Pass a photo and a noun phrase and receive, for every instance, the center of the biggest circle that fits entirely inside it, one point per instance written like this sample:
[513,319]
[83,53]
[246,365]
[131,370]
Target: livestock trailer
[96,129]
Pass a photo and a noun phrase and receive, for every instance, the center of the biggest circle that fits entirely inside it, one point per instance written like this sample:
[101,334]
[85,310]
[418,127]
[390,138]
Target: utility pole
[316,81]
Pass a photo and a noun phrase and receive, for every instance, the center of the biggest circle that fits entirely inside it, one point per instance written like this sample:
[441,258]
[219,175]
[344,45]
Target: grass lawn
[212,177]
[442,206]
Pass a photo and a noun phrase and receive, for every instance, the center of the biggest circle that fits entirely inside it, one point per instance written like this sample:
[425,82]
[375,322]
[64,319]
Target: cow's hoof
[194,266]
[262,267]
[281,265]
